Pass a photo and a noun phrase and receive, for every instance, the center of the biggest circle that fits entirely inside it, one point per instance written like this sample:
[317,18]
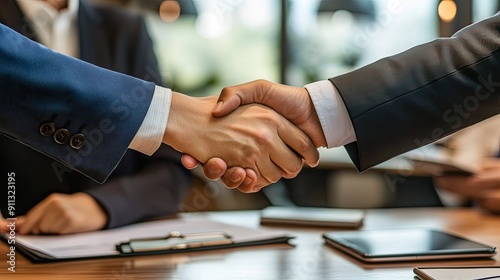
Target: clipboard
[174,241]
[152,238]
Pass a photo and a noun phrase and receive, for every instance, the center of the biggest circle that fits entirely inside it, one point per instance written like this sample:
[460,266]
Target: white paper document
[103,243]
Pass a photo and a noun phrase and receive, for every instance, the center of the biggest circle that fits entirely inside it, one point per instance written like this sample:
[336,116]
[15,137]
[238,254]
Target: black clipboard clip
[174,241]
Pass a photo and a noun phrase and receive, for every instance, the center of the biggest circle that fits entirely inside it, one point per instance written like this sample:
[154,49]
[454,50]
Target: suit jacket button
[77,141]
[47,129]
[61,136]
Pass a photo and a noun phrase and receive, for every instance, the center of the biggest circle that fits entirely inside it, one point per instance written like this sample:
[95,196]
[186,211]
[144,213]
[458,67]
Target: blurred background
[204,45]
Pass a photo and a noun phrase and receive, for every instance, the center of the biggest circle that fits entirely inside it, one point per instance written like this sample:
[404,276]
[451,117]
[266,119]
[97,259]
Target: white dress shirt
[335,121]
[57,30]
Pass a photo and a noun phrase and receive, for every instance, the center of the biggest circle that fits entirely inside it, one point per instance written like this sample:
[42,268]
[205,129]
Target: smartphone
[386,245]
[313,216]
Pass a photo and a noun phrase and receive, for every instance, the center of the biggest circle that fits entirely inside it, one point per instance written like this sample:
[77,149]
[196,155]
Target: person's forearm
[157,190]
[40,87]
[411,99]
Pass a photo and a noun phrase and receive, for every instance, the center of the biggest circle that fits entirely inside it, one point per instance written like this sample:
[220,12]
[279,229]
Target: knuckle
[263,139]
[262,83]
[54,198]
[227,182]
[295,168]
[290,175]
[305,145]
[226,91]
[275,177]
[249,155]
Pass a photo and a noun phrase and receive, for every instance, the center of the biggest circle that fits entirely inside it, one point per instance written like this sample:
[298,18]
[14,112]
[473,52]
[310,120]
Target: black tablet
[406,245]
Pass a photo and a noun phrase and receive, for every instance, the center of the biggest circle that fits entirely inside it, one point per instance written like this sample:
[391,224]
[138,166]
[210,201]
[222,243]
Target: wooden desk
[310,259]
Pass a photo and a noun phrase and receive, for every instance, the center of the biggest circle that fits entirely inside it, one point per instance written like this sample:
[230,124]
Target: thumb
[232,97]
[226,104]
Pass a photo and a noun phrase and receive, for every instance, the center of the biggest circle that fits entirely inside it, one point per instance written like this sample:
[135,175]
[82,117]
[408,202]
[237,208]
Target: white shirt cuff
[335,121]
[150,135]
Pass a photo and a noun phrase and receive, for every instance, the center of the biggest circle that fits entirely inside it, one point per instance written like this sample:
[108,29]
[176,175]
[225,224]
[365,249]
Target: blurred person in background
[479,146]
[53,199]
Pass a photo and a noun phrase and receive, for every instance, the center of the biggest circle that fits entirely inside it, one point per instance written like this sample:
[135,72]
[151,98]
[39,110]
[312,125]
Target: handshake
[251,136]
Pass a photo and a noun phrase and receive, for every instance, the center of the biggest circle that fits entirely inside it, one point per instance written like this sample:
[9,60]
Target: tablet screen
[406,244]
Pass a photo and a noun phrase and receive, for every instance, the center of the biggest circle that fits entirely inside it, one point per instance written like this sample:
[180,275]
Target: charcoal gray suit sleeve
[411,99]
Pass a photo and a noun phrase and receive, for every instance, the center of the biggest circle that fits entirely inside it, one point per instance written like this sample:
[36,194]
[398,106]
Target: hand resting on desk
[484,188]
[61,214]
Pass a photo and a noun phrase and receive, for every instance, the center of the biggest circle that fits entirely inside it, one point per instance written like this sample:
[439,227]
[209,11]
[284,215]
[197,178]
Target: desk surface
[309,259]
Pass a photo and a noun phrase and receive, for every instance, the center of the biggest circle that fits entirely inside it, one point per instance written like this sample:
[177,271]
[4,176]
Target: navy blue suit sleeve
[158,189]
[38,85]
[411,99]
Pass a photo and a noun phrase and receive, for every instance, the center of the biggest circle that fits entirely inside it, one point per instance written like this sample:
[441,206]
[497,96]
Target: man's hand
[253,137]
[63,214]
[484,187]
[293,103]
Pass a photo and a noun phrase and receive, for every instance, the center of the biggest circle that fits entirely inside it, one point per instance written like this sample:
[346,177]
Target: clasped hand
[249,146]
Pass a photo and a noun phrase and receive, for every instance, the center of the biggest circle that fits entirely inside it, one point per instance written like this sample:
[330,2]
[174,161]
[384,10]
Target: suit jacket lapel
[91,30]
[12,16]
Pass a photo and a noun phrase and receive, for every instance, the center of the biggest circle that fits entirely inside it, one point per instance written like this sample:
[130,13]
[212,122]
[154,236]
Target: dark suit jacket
[411,99]
[140,186]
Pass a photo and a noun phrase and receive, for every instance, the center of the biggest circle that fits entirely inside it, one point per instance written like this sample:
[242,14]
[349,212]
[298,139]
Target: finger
[4,225]
[234,177]
[456,184]
[470,186]
[491,202]
[56,223]
[250,182]
[235,96]
[20,222]
[189,162]
[214,168]
[490,164]
[288,160]
[31,225]
[300,143]
[33,219]
[269,172]
[247,185]
[291,176]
